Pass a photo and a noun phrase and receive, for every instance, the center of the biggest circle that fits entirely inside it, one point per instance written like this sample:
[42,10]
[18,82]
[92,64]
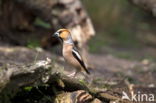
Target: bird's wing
[78,57]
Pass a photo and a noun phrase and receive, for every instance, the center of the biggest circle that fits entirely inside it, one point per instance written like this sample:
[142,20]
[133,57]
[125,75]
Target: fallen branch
[13,77]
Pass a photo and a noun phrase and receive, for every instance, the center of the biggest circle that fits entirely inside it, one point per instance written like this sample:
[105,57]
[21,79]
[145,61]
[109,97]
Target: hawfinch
[70,53]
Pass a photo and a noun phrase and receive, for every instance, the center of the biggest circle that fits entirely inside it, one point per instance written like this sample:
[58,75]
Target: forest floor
[126,68]
[139,69]
[125,72]
[110,72]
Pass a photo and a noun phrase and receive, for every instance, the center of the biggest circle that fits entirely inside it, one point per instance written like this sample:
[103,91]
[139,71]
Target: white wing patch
[77,54]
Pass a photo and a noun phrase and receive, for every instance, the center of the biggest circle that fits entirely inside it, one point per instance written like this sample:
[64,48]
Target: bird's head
[63,34]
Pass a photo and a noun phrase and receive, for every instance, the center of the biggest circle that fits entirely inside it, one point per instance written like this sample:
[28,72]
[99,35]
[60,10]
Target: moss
[82,82]
[33,44]
[41,23]
[28,88]
[98,82]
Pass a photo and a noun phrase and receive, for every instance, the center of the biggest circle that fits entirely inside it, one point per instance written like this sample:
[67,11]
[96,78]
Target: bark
[20,15]
[13,77]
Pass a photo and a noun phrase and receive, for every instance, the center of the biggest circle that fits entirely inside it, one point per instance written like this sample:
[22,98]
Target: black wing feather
[80,60]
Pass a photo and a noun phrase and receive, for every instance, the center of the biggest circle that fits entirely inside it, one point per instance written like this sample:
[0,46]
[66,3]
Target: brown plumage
[70,53]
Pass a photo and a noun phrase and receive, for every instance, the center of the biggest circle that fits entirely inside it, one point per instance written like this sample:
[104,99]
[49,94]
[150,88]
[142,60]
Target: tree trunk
[18,16]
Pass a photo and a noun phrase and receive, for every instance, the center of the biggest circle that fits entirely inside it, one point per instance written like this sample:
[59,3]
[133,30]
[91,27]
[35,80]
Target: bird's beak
[56,34]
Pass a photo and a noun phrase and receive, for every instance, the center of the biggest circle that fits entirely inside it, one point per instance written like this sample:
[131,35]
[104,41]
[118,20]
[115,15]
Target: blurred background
[117,39]
[122,28]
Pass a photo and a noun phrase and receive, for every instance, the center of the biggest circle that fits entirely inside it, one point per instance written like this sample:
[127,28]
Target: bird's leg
[73,74]
[76,72]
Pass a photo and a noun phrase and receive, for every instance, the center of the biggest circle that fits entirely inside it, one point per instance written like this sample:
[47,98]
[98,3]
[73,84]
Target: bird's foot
[72,75]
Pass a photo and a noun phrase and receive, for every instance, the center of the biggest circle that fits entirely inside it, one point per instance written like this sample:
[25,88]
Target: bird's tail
[87,71]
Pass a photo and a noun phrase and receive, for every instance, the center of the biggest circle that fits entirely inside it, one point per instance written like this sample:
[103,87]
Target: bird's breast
[67,51]
[68,56]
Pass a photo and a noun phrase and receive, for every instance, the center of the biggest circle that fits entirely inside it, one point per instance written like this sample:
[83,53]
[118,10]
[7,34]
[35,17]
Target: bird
[70,53]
